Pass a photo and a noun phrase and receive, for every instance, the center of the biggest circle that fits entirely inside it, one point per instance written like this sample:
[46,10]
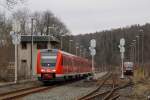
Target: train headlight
[54,70]
[42,70]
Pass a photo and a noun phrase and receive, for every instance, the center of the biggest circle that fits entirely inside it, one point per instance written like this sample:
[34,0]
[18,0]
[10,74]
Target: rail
[109,94]
[23,92]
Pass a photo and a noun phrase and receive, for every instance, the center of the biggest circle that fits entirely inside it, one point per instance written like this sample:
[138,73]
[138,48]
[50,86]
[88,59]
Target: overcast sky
[84,16]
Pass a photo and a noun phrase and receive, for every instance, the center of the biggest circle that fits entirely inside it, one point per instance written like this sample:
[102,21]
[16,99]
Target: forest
[107,50]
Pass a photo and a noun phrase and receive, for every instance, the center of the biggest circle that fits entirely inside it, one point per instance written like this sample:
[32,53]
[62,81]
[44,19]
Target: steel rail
[26,91]
[96,95]
[111,91]
[94,91]
[115,97]
[23,92]
[107,95]
[19,90]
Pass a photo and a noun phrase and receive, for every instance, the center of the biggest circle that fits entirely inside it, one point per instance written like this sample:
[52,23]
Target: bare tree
[20,18]
[47,23]
[12,3]
[5,27]
[39,25]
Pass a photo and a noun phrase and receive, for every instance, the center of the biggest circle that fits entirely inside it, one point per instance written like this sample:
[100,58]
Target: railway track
[23,92]
[26,91]
[110,94]
[94,92]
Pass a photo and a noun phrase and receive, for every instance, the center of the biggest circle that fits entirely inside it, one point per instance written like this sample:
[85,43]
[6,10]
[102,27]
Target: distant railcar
[55,64]
[128,68]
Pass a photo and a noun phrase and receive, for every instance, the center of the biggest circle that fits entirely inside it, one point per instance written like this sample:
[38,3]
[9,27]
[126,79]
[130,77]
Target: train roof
[66,53]
[47,50]
[63,52]
[69,54]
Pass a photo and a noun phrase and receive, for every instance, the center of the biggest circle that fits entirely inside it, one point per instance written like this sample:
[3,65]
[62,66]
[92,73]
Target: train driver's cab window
[48,59]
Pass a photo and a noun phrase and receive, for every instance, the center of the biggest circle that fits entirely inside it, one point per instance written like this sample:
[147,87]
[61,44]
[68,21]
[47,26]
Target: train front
[46,63]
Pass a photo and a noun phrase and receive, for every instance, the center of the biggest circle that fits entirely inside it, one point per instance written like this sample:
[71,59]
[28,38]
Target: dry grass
[139,75]
[143,86]
[140,89]
[139,92]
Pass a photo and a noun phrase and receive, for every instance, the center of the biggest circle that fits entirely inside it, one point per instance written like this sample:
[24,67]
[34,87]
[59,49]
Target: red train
[54,64]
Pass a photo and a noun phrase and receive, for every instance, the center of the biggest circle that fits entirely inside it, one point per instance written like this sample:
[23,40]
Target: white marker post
[122,50]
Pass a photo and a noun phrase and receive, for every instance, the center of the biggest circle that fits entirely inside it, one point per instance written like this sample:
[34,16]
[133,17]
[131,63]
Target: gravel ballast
[13,87]
[70,91]
[66,92]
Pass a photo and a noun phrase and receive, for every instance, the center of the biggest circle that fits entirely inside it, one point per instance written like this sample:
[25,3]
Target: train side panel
[59,67]
[66,65]
[75,65]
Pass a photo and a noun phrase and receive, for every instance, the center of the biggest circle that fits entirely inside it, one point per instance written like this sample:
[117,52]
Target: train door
[65,64]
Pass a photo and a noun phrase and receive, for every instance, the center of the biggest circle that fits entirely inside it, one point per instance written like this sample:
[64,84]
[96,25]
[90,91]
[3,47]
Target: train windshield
[48,60]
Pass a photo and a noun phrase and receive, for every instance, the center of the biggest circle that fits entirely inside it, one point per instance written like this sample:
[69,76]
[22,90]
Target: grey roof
[38,38]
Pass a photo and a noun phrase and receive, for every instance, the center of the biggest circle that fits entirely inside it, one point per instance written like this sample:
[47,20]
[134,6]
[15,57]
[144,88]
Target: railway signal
[92,52]
[122,41]
[15,40]
[93,43]
[122,50]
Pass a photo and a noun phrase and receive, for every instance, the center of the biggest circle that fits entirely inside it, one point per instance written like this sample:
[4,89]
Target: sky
[85,16]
